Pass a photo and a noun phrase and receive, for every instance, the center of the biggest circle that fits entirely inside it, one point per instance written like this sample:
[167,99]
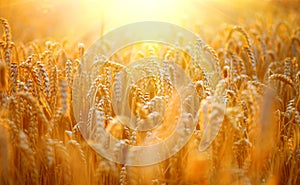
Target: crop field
[246,119]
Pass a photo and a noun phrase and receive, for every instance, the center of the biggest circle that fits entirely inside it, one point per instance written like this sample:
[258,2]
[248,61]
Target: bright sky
[83,18]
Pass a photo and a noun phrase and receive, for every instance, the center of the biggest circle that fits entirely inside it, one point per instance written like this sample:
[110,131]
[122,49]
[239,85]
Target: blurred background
[87,20]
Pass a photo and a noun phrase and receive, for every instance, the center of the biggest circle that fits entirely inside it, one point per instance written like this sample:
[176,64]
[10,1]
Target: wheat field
[257,142]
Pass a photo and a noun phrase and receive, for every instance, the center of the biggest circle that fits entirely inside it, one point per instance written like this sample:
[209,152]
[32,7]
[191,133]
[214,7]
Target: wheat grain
[282,78]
